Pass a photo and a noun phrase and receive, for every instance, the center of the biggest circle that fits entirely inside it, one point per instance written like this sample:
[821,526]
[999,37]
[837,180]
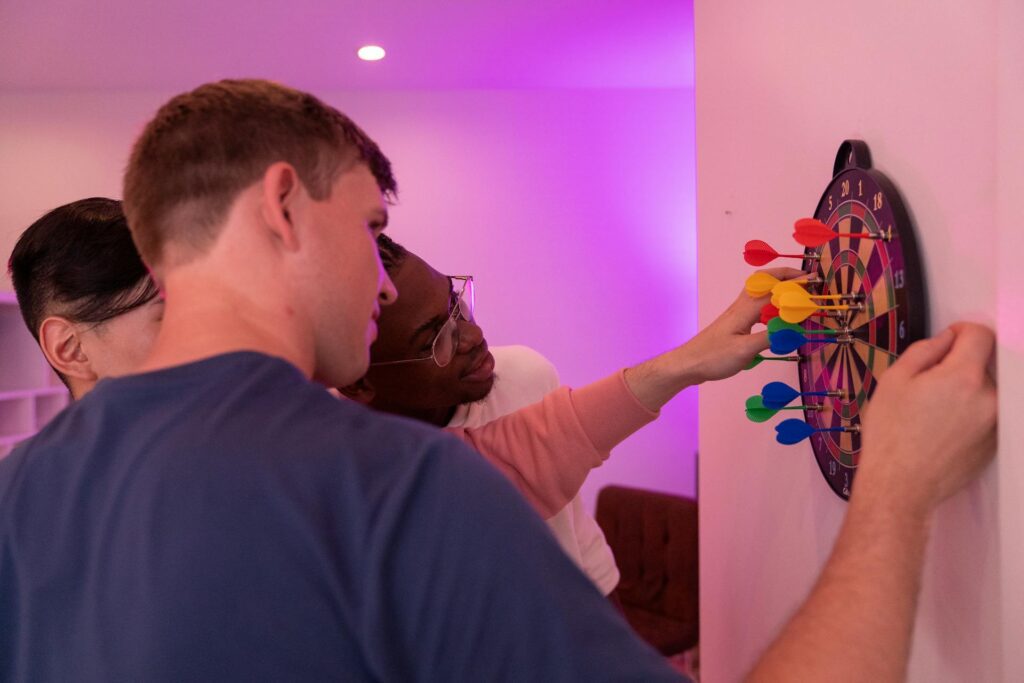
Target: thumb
[973,345]
[755,343]
[924,354]
[745,313]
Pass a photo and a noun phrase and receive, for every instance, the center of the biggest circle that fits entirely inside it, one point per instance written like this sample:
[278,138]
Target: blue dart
[787,341]
[779,394]
[794,431]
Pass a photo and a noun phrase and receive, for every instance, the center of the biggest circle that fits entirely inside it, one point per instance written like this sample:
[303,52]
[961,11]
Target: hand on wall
[931,425]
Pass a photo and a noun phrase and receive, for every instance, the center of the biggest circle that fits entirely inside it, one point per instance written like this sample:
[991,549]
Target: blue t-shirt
[229,520]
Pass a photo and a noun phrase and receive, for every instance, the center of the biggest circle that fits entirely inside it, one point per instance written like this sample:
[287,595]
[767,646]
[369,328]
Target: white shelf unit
[30,392]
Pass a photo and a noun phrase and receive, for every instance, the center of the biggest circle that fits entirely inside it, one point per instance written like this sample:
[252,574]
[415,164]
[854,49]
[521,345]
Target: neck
[439,417]
[205,317]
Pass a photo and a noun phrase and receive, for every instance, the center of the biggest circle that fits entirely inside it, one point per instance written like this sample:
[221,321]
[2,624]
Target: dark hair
[78,261]
[392,254]
[205,146]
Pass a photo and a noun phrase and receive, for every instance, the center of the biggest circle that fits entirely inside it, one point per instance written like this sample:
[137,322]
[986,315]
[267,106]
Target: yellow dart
[796,307]
[760,284]
[781,288]
[795,286]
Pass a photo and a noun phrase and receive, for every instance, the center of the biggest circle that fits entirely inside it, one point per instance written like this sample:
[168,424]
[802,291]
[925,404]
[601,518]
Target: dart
[758,253]
[778,394]
[758,359]
[780,289]
[776,324]
[788,341]
[757,411]
[760,284]
[812,233]
[793,286]
[770,311]
[794,431]
[798,307]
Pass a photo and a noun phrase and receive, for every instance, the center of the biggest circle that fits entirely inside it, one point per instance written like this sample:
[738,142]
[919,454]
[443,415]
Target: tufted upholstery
[654,539]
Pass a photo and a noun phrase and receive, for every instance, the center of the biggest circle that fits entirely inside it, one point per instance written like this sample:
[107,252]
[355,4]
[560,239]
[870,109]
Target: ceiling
[431,44]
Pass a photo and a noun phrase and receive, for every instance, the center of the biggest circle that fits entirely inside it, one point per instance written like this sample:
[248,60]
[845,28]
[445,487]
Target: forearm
[548,449]
[657,381]
[858,621]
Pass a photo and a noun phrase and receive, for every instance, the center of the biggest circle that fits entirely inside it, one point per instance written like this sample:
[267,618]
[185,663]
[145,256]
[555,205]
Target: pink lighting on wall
[371,53]
[478,44]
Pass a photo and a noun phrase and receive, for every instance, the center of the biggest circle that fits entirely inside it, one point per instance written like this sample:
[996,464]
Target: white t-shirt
[521,378]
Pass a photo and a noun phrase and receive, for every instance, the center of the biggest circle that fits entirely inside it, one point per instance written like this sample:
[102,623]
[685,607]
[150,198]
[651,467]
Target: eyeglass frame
[453,315]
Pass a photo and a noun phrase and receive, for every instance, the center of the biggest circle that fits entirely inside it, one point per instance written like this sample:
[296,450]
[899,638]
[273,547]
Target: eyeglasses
[461,305]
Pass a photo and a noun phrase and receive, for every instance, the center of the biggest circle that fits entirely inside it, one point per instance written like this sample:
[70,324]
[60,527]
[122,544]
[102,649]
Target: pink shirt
[547,449]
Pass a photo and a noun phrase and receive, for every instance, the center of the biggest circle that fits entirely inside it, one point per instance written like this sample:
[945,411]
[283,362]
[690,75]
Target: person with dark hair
[84,293]
[431,362]
[392,254]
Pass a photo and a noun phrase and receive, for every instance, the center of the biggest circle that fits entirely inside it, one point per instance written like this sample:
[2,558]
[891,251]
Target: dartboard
[882,276]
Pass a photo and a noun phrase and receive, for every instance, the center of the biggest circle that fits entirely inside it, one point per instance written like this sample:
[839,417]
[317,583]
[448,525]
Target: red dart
[758,253]
[810,232]
[768,312]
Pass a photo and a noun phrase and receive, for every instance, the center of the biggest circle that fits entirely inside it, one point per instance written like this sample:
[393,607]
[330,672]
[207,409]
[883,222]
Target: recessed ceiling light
[371,53]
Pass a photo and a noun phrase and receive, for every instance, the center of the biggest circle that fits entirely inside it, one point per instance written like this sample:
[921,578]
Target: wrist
[681,367]
[657,381]
[893,493]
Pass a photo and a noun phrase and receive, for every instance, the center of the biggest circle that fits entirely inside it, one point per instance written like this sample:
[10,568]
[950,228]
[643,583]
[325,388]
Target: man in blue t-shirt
[220,517]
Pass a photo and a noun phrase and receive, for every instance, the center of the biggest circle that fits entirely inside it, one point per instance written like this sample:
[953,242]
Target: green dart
[756,412]
[758,359]
[777,323]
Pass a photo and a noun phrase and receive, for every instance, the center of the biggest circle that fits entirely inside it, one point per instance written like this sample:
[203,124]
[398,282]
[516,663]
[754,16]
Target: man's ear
[58,338]
[281,192]
[361,390]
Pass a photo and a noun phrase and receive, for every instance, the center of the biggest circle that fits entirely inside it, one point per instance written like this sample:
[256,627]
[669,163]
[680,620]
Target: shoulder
[522,377]
[524,369]
[371,455]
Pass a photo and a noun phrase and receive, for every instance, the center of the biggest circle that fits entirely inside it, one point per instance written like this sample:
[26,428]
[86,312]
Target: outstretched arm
[720,350]
[547,449]
[916,453]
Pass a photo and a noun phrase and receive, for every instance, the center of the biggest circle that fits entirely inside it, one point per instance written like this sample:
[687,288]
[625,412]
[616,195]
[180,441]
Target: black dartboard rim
[888,274]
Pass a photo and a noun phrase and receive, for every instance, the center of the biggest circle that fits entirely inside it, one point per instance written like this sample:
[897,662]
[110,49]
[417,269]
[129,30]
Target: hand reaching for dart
[720,350]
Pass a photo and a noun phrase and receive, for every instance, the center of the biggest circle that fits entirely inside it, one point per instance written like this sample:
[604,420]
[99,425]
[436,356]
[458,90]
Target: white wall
[926,85]
[573,208]
[1010,285]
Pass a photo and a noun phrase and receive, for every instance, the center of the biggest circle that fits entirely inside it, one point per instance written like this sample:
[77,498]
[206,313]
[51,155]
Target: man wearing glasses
[431,362]
[429,356]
